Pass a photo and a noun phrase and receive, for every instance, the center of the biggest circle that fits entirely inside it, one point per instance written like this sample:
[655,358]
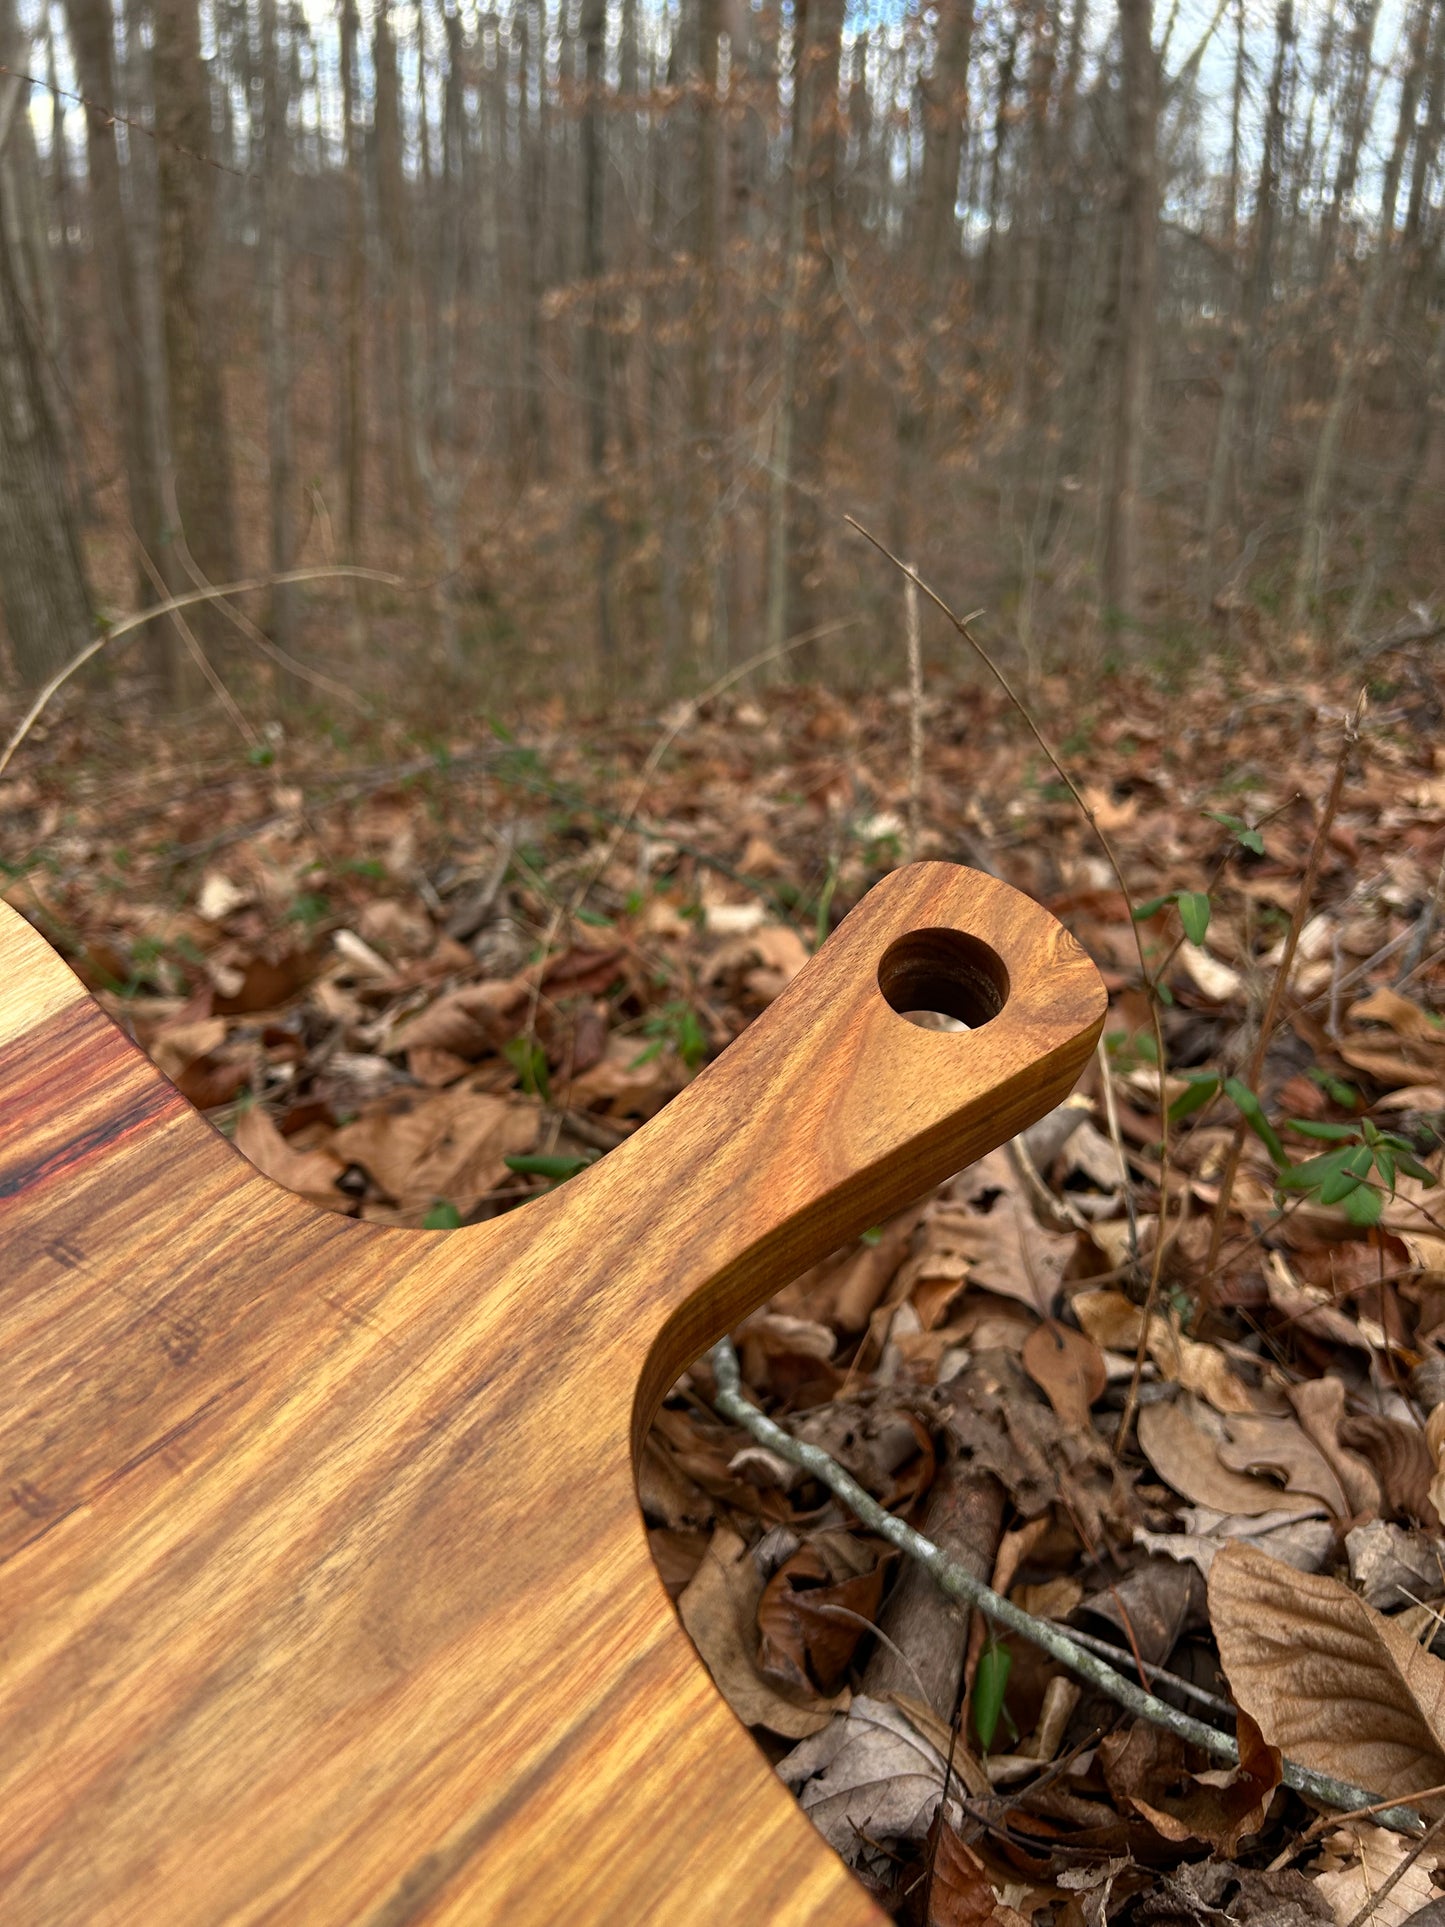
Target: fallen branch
[959,1584]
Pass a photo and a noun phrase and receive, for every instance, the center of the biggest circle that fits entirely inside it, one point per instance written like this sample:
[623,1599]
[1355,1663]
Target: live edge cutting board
[324,1591]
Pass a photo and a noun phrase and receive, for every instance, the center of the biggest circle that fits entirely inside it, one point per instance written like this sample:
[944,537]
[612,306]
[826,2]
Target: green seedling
[558,1168]
[528,1059]
[990,1683]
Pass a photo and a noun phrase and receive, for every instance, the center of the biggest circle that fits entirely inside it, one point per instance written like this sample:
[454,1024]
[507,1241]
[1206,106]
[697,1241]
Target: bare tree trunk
[200,450]
[593,29]
[945,108]
[1391,526]
[1327,451]
[530,23]
[137,405]
[1135,323]
[780,482]
[276,327]
[42,572]
[352,426]
[816,372]
[392,205]
[1242,375]
[704,590]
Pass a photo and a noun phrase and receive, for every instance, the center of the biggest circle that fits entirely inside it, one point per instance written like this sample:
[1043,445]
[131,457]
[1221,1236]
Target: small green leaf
[1313,1172]
[1336,1089]
[1338,1186]
[1202,1086]
[1413,1168]
[990,1683]
[1194,914]
[528,1059]
[1385,1165]
[1142,911]
[541,1164]
[1361,1161]
[443,1216]
[1339,1133]
[1364,1205]
[1252,1111]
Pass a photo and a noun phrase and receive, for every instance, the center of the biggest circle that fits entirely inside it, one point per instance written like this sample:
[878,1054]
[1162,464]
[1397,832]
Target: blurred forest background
[590,320]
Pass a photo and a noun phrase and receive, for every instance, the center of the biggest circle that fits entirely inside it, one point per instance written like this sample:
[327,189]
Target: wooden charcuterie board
[324,1591]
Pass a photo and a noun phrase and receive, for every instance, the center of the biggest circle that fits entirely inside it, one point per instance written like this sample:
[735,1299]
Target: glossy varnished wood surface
[324,1593]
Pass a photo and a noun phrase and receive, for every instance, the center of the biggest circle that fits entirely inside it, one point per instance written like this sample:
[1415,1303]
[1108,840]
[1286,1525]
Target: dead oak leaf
[1357,1861]
[1146,1770]
[814,1611]
[1186,1457]
[868,1776]
[1328,1680]
[985,1234]
[719,1608]
[1068,1368]
[312,1174]
[452,1144]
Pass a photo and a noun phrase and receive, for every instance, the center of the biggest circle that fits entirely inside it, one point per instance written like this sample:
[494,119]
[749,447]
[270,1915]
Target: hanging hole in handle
[943,975]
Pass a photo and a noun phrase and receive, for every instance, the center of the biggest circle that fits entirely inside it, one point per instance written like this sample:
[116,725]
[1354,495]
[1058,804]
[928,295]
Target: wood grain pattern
[324,1592]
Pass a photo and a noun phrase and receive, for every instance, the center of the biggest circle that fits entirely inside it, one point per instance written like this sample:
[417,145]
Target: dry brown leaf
[1357,1861]
[867,1275]
[1068,1367]
[1435,1442]
[1145,1768]
[1002,1248]
[448,1144]
[1402,1462]
[814,1612]
[174,1046]
[778,949]
[719,1609]
[1312,1307]
[1279,1445]
[961,1893]
[1329,1681]
[1114,1321]
[1219,981]
[1308,1544]
[1185,1456]
[1392,1565]
[311,1173]
[870,1776]
[1319,1404]
[626,1081]
[1206,1893]
[1405,1018]
[468,1022]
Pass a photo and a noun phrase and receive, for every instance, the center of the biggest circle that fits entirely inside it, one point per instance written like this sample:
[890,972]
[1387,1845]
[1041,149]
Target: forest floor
[422,981]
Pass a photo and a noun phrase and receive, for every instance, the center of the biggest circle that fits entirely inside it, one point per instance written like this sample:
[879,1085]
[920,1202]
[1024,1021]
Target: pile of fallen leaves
[426,986]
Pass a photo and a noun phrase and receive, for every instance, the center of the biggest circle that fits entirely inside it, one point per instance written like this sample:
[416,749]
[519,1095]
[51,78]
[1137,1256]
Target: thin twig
[1277,990]
[1327,1820]
[1200,1694]
[915,714]
[961,625]
[128,624]
[959,1583]
[1116,1135]
[114,119]
[1396,1875]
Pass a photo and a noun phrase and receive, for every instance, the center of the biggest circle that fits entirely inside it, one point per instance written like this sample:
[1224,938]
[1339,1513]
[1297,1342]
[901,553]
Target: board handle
[833,1110]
